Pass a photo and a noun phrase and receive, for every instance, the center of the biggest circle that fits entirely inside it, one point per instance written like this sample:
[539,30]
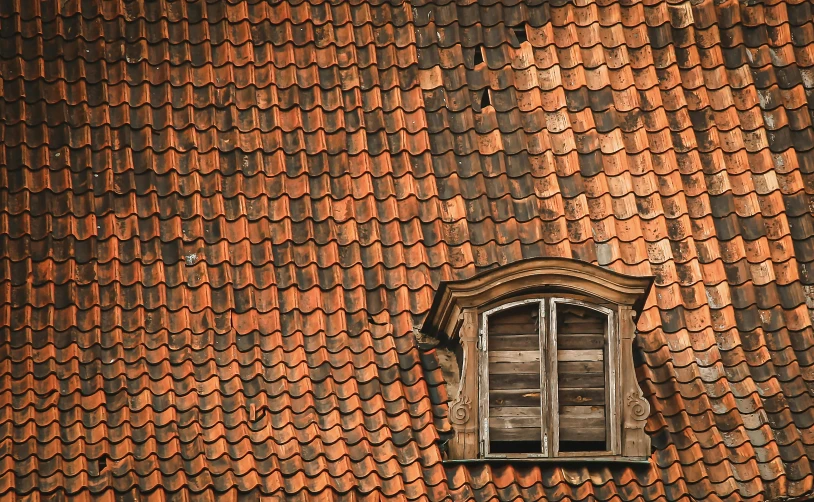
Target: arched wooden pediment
[537,275]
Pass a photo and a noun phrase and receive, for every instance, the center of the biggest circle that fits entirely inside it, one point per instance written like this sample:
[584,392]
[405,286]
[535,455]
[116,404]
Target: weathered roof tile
[220,222]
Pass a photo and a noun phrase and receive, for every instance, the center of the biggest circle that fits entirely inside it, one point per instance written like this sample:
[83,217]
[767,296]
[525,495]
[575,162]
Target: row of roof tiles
[223,289]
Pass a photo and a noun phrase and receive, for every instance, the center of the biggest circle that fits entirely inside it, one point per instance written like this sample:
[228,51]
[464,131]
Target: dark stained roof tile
[220,222]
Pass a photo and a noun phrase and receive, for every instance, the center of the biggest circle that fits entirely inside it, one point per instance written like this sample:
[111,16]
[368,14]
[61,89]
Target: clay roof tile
[220,222]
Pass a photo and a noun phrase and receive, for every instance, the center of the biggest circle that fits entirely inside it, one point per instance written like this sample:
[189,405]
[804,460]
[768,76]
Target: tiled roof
[220,223]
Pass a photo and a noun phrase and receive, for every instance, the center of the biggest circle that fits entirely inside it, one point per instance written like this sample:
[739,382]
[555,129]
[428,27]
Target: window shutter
[581,376]
[515,409]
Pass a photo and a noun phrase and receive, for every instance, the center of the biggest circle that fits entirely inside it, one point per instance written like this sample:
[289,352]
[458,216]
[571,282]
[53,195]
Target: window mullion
[545,380]
[553,380]
[483,389]
[541,329]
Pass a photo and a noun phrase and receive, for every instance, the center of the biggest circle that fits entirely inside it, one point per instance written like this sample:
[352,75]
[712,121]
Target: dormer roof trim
[529,276]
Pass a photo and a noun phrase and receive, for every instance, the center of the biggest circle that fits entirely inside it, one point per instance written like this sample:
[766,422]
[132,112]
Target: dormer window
[548,378]
[545,356]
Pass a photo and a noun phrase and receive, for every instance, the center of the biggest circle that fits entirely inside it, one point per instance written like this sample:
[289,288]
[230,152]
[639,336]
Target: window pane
[581,354]
[513,343]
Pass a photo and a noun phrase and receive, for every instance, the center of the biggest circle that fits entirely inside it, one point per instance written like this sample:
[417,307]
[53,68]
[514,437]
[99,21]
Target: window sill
[632,461]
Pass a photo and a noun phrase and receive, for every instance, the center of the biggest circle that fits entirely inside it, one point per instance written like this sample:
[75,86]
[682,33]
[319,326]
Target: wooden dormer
[545,361]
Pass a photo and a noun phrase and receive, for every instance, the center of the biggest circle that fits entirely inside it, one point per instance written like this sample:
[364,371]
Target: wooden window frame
[483,385]
[549,384]
[611,370]
[461,309]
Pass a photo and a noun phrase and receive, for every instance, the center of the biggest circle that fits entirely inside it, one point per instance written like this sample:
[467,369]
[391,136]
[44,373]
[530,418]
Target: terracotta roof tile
[220,222]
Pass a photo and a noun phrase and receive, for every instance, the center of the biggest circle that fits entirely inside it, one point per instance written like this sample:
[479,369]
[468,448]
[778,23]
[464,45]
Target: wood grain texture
[583,433]
[513,367]
[524,434]
[465,409]
[514,342]
[512,329]
[580,355]
[581,396]
[588,328]
[581,341]
[581,380]
[508,411]
[569,412]
[580,367]
[514,356]
[516,397]
[507,381]
[517,422]
[582,423]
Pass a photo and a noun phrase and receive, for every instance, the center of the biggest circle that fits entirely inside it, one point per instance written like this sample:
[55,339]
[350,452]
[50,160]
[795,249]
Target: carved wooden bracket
[635,408]
[464,409]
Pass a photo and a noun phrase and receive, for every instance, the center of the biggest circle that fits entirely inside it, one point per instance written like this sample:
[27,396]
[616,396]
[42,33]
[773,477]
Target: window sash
[549,388]
[483,371]
[610,362]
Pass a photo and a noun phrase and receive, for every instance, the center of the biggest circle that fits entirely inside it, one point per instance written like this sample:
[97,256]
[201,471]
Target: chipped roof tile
[220,221]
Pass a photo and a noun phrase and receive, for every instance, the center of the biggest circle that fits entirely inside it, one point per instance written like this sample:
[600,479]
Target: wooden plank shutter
[582,386]
[515,411]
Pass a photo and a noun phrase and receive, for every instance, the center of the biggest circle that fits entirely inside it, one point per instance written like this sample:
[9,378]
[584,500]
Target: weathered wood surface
[527,434]
[514,342]
[516,397]
[568,327]
[514,356]
[580,355]
[502,381]
[580,380]
[585,330]
[522,320]
[581,396]
[570,412]
[515,423]
[465,409]
[512,367]
[580,341]
[521,314]
[582,433]
[508,422]
[582,423]
[496,329]
[510,411]
[580,367]
[578,320]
